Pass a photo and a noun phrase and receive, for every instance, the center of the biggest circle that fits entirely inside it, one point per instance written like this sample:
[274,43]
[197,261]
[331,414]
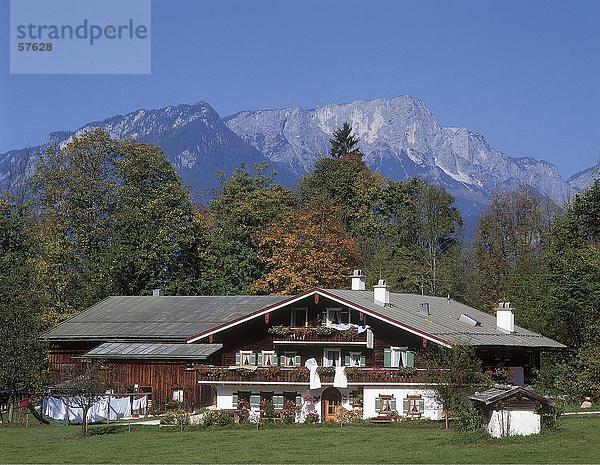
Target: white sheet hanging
[120,407]
[139,405]
[315,381]
[340,380]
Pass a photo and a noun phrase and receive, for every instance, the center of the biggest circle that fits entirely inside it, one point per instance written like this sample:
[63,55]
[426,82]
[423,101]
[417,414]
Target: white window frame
[328,318]
[355,363]
[332,349]
[178,395]
[285,359]
[398,352]
[245,352]
[293,322]
[270,353]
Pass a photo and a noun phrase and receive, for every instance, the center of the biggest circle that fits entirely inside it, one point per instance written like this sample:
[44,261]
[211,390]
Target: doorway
[331,399]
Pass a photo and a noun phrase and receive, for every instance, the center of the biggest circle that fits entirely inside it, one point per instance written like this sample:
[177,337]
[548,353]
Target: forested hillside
[110,217]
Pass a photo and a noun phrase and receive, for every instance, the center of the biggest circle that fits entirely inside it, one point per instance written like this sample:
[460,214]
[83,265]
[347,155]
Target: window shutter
[405,406]
[410,359]
[260,359]
[393,403]
[299,401]
[387,358]
[234,400]
[282,361]
[253,359]
[275,360]
[237,358]
[297,361]
[377,404]
[421,406]
[363,361]
[347,360]
[255,401]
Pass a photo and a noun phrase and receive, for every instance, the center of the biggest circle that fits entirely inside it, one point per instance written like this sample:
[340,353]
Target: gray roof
[163,318]
[444,322]
[501,392]
[146,351]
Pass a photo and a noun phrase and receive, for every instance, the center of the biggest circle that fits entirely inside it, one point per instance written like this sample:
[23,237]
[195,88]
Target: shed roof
[444,320]
[501,392]
[160,318]
[147,351]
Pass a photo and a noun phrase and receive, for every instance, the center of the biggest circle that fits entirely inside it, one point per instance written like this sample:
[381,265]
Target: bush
[550,416]
[468,418]
[289,412]
[178,418]
[311,418]
[217,418]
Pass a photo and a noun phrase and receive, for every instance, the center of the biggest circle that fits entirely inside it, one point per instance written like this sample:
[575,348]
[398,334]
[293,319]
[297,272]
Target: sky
[525,74]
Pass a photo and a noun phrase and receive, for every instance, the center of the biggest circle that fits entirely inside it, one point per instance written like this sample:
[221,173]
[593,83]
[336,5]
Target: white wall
[433,410]
[513,423]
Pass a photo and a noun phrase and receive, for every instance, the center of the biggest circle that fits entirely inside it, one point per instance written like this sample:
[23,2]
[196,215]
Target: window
[291,360]
[178,395]
[395,357]
[414,405]
[246,357]
[356,399]
[278,402]
[267,358]
[385,404]
[355,359]
[332,357]
[240,396]
[299,317]
[336,316]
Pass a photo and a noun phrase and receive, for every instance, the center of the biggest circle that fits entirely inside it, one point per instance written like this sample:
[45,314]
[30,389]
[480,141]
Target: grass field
[576,441]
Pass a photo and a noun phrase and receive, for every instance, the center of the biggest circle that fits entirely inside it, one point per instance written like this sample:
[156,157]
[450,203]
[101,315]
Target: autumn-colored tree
[310,248]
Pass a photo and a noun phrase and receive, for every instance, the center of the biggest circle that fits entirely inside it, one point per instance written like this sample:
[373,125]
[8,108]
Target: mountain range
[399,137]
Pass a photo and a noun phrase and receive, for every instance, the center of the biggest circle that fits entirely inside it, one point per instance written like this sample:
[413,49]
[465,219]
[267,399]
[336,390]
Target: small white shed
[511,410]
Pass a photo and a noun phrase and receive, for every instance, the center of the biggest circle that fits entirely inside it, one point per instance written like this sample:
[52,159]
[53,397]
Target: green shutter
[255,401]
[237,358]
[275,360]
[260,359]
[253,359]
[363,361]
[377,404]
[297,361]
[421,406]
[282,360]
[410,359]
[234,401]
[393,403]
[347,360]
[405,406]
[299,401]
[387,358]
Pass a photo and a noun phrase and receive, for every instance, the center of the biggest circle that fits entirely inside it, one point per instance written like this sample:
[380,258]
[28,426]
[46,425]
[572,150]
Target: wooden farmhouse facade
[319,350]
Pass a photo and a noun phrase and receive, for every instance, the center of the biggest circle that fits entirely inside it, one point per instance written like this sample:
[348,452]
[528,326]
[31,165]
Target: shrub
[216,418]
[243,411]
[289,412]
[178,418]
[550,416]
[311,418]
[468,418]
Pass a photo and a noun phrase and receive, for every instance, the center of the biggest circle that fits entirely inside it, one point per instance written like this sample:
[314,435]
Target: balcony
[317,334]
[301,375]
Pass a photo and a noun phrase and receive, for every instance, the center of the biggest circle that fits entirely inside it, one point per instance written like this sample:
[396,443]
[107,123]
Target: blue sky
[525,74]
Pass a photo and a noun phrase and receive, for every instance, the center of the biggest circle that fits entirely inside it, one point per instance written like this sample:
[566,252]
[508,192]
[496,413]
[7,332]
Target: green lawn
[576,441]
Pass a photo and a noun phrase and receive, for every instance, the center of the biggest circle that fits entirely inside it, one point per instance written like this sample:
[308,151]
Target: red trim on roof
[317,291]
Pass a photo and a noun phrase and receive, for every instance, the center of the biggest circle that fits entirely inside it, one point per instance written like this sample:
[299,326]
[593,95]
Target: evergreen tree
[344,143]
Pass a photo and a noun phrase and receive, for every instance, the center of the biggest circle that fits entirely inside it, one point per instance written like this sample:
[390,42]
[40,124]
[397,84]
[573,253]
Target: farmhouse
[321,349]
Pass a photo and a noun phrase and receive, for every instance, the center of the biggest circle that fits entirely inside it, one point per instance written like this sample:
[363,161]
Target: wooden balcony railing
[316,334]
[302,375]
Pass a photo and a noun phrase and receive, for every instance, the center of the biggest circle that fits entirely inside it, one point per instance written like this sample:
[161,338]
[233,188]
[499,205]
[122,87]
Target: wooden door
[331,399]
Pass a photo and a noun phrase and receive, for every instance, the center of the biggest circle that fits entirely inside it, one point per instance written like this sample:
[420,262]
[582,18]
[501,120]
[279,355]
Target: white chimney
[157,292]
[505,318]
[381,295]
[358,280]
